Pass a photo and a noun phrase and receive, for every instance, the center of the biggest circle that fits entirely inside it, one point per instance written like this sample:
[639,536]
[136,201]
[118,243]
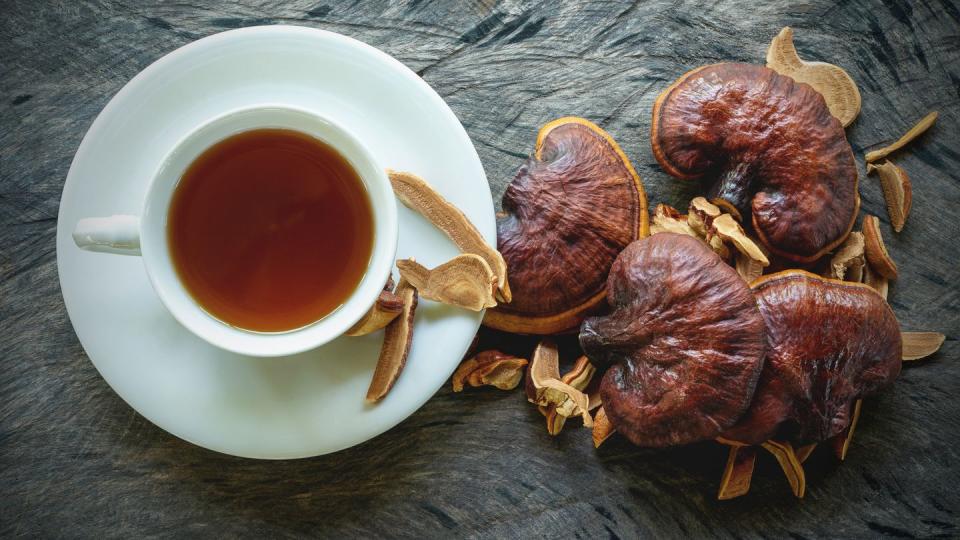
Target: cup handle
[114,234]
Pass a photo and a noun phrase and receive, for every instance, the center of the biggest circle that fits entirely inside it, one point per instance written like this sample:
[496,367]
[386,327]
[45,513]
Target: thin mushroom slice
[415,193]
[667,219]
[397,338]
[544,386]
[897,191]
[489,368]
[918,345]
[387,307]
[683,342]
[841,443]
[875,250]
[729,230]
[602,428]
[464,281]
[924,124]
[578,377]
[837,87]
[847,263]
[792,468]
[738,472]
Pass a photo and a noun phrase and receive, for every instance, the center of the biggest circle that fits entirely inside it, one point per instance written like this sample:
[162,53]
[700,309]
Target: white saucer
[287,407]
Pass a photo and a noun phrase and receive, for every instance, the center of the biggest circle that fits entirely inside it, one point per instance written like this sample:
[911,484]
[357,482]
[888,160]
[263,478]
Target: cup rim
[185,308]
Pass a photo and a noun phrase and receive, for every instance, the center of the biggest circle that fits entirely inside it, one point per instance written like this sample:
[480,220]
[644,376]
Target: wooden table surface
[76,461]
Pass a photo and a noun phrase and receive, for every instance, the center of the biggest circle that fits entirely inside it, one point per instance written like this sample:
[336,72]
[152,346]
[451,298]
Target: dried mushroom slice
[924,124]
[602,428]
[387,307]
[917,345]
[544,386]
[464,281]
[570,209]
[897,190]
[578,377]
[728,230]
[397,338]
[415,193]
[738,472]
[667,219]
[828,344]
[684,341]
[771,150]
[875,250]
[847,263]
[489,368]
[792,468]
[837,87]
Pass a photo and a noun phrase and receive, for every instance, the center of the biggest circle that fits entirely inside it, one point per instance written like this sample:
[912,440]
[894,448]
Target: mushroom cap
[684,339]
[829,343]
[770,147]
[572,207]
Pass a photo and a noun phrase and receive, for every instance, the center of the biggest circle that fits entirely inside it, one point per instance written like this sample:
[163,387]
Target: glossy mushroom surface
[770,148]
[829,343]
[684,342]
[570,210]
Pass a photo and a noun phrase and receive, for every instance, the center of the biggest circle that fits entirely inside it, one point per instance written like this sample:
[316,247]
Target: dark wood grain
[76,461]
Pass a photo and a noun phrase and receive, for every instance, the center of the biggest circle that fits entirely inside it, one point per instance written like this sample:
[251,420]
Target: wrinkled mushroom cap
[829,343]
[572,207]
[770,147]
[684,340]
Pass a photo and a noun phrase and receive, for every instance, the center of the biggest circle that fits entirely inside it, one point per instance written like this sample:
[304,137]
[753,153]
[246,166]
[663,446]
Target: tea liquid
[270,230]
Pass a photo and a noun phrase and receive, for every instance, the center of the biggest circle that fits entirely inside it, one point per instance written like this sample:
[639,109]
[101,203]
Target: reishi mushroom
[771,150]
[829,343]
[684,342]
[567,214]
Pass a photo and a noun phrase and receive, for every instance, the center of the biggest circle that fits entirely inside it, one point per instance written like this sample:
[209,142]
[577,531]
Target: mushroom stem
[734,188]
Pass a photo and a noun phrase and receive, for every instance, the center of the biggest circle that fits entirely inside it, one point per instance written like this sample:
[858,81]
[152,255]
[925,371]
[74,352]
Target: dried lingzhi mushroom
[770,147]
[684,342]
[828,344]
[566,215]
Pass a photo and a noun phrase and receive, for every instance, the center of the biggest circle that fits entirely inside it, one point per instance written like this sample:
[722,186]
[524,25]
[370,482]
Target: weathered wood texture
[76,461]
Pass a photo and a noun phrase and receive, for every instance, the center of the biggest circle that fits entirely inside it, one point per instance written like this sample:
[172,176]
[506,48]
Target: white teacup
[146,235]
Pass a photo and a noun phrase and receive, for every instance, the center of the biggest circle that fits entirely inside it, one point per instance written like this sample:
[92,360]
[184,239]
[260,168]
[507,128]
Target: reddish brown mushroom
[771,150]
[572,207]
[684,342]
[829,343]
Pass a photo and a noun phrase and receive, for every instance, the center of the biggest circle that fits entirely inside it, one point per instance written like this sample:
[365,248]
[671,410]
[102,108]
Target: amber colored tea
[270,230]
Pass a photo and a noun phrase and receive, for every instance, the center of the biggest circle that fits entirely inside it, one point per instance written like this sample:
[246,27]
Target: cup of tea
[267,231]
